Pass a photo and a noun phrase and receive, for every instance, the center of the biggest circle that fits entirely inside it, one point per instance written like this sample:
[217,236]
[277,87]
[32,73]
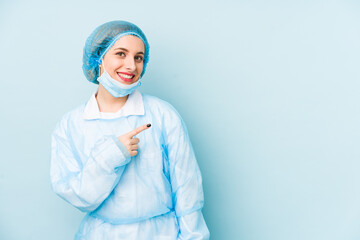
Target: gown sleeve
[186,181]
[85,182]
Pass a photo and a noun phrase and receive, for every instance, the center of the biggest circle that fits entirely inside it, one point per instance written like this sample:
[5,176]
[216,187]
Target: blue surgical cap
[102,39]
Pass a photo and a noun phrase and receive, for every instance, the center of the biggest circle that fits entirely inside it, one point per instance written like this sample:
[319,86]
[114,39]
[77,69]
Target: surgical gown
[156,194]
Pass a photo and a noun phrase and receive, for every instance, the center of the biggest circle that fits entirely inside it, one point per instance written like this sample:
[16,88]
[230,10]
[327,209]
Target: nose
[130,63]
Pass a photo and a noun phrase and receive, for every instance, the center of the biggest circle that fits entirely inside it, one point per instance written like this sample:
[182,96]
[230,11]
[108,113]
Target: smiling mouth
[126,77]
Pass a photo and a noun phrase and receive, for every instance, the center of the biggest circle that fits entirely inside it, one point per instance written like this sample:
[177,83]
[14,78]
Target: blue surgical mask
[114,87]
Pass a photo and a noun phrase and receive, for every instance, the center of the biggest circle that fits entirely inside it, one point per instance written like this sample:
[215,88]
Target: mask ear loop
[103,66]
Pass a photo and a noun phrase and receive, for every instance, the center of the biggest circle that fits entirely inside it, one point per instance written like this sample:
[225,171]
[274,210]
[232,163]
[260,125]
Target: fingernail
[149,125]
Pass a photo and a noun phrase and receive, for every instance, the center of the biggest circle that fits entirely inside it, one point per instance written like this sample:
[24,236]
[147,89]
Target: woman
[124,157]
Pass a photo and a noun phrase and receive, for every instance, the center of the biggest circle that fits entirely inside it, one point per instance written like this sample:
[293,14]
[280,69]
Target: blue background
[269,90]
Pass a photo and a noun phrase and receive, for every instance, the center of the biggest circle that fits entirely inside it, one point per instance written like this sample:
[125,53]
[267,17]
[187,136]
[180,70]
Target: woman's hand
[131,143]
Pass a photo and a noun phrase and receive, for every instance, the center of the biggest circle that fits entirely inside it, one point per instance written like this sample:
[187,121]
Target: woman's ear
[100,70]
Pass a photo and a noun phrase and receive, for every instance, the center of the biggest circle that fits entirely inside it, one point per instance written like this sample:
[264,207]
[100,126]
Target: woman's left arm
[186,181]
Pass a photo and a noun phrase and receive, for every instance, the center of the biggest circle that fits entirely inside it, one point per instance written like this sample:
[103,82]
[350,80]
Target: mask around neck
[114,87]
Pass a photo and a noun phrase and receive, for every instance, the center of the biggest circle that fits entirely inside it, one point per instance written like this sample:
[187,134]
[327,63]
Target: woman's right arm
[85,183]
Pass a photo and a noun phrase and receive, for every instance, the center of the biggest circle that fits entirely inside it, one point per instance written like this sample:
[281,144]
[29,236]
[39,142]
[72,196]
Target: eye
[139,58]
[121,54]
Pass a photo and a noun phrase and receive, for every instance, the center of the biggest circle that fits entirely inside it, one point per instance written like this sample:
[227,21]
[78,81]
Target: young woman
[125,158]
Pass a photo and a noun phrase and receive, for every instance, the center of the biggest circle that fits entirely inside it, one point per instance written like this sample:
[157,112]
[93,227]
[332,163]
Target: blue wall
[269,90]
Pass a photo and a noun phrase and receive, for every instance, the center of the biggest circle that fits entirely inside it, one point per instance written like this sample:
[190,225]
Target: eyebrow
[124,49]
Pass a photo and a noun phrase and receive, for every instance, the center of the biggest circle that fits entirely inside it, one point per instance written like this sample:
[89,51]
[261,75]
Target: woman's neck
[107,102]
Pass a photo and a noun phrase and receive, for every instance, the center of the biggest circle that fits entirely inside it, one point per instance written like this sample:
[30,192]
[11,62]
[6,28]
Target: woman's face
[124,60]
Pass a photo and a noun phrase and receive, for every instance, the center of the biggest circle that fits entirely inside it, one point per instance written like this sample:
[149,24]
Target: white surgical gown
[155,195]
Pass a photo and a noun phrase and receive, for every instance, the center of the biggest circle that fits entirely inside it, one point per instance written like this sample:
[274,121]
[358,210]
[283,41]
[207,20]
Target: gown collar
[134,106]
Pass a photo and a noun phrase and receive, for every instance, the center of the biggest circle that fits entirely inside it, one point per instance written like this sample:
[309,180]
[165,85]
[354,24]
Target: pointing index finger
[138,130]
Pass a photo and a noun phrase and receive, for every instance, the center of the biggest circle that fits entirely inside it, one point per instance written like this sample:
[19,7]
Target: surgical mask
[114,87]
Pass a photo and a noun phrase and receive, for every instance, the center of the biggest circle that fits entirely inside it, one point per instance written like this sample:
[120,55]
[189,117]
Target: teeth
[125,76]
